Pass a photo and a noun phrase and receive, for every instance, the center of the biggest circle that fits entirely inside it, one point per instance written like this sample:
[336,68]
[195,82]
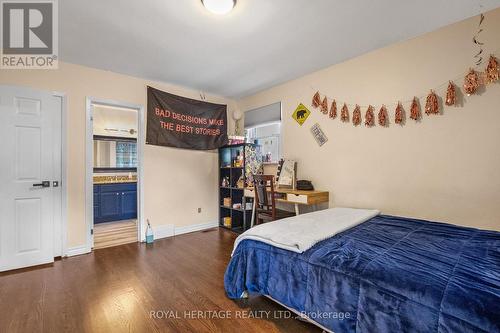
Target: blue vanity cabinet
[115,202]
[97,200]
[110,205]
[129,204]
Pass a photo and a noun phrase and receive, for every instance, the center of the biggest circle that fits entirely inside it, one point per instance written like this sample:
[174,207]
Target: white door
[30,160]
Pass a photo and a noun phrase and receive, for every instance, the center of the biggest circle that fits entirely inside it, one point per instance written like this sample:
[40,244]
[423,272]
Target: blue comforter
[389,274]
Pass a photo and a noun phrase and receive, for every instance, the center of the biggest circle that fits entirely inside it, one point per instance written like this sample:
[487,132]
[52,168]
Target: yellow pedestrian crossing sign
[301,113]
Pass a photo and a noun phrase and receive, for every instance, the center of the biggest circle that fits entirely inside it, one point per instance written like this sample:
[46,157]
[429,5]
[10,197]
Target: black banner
[176,121]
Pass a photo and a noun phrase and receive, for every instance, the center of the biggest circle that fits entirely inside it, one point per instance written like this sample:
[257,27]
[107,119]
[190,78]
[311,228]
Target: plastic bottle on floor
[149,234]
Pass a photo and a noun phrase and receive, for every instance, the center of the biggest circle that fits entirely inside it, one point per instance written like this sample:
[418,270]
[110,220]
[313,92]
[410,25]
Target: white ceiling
[260,44]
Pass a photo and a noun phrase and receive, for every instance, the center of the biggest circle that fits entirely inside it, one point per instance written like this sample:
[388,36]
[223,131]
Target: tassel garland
[471,82]
[415,110]
[492,70]
[369,117]
[333,110]
[344,114]
[399,114]
[356,116]
[431,104]
[450,94]
[316,101]
[324,106]
[382,116]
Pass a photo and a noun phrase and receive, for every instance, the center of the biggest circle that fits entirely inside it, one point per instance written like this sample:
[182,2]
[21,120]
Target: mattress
[389,274]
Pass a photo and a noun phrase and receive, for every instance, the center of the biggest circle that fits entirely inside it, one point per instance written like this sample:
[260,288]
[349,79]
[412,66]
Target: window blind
[263,115]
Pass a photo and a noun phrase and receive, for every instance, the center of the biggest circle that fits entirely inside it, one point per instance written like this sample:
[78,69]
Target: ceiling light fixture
[219,7]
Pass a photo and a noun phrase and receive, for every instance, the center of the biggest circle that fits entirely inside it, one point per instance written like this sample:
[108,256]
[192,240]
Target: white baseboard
[161,231]
[164,231]
[195,227]
[76,251]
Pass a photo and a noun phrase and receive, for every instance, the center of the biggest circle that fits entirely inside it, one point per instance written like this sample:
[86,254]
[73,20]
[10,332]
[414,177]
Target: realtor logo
[29,34]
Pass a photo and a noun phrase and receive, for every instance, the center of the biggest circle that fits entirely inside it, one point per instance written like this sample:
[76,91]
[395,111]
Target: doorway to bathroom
[114,164]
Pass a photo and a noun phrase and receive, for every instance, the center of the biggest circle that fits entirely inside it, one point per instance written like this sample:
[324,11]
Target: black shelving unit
[240,217]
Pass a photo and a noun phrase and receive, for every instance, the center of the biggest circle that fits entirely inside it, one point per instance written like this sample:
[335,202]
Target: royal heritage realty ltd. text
[244,314]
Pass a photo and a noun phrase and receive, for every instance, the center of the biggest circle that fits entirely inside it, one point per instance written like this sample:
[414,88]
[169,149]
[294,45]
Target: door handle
[44,183]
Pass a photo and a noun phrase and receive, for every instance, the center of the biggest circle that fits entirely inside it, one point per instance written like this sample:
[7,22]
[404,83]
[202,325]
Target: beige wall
[446,168]
[176,182]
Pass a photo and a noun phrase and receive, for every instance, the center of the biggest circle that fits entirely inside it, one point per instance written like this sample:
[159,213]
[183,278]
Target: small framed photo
[318,134]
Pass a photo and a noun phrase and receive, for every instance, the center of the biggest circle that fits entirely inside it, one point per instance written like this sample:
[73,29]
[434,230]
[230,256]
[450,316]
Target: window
[269,138]
[126,154]
[263,127]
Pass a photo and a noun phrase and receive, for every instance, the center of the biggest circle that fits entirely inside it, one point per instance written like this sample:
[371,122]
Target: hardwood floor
[115,290]
[114,233]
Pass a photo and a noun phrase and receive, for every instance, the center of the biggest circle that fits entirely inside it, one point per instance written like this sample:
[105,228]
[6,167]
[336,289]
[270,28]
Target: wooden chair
[265,203]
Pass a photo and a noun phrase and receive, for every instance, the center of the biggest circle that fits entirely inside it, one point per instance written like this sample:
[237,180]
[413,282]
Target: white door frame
[62,224]
[64,173]
[89,167]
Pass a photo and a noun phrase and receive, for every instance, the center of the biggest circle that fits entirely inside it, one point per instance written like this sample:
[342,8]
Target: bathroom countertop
[98,180]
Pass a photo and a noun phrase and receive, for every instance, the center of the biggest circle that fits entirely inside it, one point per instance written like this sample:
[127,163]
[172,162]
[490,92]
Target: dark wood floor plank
[115,289]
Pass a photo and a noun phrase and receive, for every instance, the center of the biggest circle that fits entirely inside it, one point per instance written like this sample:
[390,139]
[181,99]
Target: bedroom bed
[383,274]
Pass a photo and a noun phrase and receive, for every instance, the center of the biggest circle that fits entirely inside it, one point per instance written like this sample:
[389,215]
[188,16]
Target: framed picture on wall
[288,174]
[318,134]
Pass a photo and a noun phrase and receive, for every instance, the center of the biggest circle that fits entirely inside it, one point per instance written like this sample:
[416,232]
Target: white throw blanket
[300,233]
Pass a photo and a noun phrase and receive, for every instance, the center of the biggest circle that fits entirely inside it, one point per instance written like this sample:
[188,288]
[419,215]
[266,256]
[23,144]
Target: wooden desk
[295,197]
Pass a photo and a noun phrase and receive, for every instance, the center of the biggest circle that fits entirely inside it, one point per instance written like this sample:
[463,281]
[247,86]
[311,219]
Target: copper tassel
[344,113]
[333,110]
[431,104]
[492,70]
[324,106]
[451,95]
[415,110]
[382,116]
[356,116]
[369,117]
[471,82]
[399,114]
[316,100]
